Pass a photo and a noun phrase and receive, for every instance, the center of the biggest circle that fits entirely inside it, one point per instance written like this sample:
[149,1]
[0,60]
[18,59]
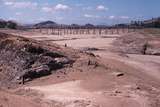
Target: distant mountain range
[154,22]
[51,24]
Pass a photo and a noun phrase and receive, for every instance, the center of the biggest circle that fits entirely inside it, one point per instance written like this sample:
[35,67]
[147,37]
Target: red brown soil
[111,80]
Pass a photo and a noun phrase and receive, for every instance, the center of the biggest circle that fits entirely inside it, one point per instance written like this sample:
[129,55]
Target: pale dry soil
[103,88]
[70,91]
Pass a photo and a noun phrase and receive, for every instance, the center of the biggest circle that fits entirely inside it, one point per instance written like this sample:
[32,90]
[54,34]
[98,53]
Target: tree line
[8,24]
[152,23]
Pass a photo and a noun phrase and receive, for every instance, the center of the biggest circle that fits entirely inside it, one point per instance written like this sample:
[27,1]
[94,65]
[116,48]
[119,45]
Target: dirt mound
[23,59]
[138,43]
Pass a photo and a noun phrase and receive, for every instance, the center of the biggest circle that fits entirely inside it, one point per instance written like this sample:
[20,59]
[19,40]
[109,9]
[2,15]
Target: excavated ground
[22,58]
[138,43]
[72,78]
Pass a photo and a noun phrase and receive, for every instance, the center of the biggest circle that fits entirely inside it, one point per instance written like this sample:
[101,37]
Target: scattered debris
[120,74]
[91,54]
[118,92]
[65,45]
[90,49]
[94,63]
[23,60]
[138,88]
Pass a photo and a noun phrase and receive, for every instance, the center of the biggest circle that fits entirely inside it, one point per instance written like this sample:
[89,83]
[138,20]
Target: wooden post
[112,30]
[106,31]
[94,31]
[100,31]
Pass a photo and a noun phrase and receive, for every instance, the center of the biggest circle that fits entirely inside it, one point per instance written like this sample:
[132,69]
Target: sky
[79,11]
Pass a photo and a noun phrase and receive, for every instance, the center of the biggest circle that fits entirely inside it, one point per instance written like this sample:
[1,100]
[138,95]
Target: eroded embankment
[138,43]
[23,59]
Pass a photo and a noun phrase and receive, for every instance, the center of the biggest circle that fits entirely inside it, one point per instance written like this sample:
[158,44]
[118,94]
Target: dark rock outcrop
[21,57]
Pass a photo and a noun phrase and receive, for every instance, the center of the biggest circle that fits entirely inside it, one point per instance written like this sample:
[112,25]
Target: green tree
[3,24]
[11,25]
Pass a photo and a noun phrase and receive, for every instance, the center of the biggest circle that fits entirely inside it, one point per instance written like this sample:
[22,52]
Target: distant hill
[151,23]
[45,24]
[51,24]
[89,25]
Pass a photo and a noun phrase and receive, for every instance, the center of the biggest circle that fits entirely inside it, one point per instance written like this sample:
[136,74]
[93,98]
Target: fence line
[83,31]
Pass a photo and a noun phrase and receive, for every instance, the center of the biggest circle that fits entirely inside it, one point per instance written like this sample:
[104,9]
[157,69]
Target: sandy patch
[72,94]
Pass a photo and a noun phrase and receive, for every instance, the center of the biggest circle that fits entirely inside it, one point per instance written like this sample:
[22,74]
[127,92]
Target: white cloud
[18,13]
[59,18]
[87,15]
[124,17]
[15,4]
[112,17]
[102,8]
[61,7]
[58,7]
[47,9]
[12,18]
[8,3]
[90,16]
[118,17]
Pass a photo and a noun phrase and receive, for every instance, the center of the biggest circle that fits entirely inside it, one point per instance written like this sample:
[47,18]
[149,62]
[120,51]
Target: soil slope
[78,78]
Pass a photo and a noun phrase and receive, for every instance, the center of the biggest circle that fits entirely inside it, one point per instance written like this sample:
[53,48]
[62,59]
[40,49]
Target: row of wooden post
[56,31]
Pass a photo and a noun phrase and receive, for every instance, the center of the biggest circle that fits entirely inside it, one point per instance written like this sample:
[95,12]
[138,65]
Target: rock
[42,70]
[44,67]
[94,63]
[65,45]
[152,51]
[118,92]
[63,60]
[120,74]
[90,49]
[91,54]
[138,88]
[26,59]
